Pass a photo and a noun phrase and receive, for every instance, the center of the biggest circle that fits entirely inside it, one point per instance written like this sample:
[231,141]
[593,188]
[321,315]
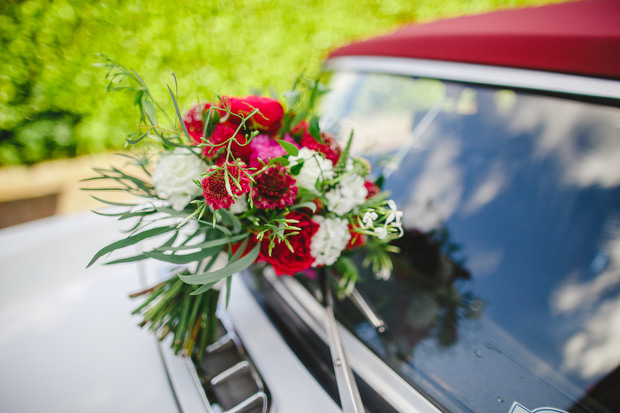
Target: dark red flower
[274,188]
[328,146]
[285,261]
[268,118]
[372,189]
[214,185]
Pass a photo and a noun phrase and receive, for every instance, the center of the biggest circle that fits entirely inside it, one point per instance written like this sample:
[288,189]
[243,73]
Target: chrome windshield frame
[480,74]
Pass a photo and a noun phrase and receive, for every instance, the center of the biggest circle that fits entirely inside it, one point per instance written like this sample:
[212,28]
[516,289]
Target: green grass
[52,100]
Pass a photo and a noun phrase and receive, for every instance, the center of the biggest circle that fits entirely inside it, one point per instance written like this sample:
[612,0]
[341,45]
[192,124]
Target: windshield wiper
[350,399]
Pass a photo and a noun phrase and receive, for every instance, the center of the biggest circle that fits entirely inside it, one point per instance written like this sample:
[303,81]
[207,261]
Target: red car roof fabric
[576,37]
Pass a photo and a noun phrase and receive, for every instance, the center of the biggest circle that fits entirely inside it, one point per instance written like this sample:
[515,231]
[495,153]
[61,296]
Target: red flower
[268,118]
[282,259]
[372,189]
[329,146]
[357,240]
[222,133]
[214,185]
[193,121]
[274,188]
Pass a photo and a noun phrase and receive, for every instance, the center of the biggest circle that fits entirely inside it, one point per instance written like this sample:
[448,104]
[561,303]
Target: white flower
[395,219]
[240,206]
[329,241]
[381,232]
[173,175]
[349,193]
[315,168]
[383,274]
[368,219]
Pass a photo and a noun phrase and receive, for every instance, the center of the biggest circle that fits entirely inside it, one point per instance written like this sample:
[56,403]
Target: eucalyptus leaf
[230,269]
[210,244]
[231,219]
[178,112]
[130,240]
[184,258]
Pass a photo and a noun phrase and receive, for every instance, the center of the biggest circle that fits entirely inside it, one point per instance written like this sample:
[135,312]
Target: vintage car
[498,135]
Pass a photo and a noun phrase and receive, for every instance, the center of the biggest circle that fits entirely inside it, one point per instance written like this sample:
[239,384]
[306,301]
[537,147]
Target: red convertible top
[580,37]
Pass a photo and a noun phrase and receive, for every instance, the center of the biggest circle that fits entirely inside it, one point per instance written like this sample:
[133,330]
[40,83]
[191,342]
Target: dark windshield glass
[508,285]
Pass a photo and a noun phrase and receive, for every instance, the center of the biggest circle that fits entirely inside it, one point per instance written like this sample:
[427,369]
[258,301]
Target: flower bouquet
[238,181]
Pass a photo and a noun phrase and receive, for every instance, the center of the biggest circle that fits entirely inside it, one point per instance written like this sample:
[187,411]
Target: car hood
[67,341]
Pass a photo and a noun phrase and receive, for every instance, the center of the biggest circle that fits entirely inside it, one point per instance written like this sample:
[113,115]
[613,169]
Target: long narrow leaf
[178,112]
[229,218]
[143,255]
[131,240]
[210,244]
[230,269]
[185,258]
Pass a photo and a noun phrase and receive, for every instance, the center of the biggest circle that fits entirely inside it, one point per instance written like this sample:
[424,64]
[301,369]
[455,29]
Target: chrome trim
[481,74]
[393,388]
[368,312]
[256,396]
[225,339]
[243,364]
[184,380]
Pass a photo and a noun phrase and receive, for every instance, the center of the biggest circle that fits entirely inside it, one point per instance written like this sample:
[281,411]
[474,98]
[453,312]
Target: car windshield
[507,288]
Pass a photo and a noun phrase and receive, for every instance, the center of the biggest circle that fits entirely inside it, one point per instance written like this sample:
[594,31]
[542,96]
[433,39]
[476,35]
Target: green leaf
[228,287]
[310,205]
[299,117]
[288,147]
[314,129]
[281,160]
[230,269]
[149,110]
[184,258]
[133,141]
[210,244]
[229,219]
[295,169]
[292,97]
[130,240]
[178,112]
[116,214]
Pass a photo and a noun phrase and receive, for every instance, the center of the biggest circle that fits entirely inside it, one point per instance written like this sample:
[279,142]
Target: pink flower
[266,148]
[274,188]
[214,185]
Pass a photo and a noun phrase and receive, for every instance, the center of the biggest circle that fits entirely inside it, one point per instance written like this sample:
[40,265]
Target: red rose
[269,115]
[282,259]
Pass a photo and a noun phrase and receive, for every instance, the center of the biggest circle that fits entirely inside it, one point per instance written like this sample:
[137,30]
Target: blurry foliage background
[52,100]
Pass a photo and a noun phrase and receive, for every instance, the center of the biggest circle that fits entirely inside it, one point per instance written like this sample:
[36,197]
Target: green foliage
[52,101]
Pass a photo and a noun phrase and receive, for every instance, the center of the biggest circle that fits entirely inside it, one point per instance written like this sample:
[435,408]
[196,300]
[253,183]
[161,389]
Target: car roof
[580,37]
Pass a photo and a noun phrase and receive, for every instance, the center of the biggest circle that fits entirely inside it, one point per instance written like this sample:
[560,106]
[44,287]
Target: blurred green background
[52,100]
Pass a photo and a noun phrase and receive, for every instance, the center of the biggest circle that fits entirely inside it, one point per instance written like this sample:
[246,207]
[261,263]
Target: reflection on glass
[528,189]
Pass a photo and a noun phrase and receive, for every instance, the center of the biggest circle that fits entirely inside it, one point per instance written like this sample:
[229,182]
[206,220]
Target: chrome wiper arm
[347,387]
[367,311]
